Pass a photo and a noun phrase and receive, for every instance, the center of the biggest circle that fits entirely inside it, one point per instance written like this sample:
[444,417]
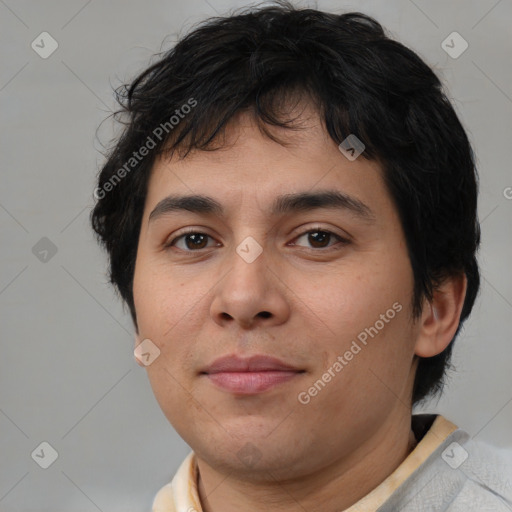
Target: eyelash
[341,240]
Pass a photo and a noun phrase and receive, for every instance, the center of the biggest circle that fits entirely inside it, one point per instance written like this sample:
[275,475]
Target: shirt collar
[181,494]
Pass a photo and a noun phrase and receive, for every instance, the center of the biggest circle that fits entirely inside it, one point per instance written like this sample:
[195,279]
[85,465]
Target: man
[290,216]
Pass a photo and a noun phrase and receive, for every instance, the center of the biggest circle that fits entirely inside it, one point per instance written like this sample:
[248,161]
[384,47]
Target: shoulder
[478,475]
[460,475]
[488,470]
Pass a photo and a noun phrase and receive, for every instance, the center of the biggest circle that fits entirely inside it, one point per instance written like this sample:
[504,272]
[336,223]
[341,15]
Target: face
[325,288]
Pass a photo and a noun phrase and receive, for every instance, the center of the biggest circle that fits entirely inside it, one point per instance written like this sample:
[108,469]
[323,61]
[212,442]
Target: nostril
[265,314]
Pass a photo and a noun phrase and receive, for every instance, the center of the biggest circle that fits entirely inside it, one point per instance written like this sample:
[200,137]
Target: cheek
[165,302]
[174,397]
[362,314]
[371,377]
[344,301]
[166,312]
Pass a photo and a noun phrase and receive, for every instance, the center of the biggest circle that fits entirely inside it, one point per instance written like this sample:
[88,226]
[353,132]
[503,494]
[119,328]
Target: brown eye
[192,240]
[320,239]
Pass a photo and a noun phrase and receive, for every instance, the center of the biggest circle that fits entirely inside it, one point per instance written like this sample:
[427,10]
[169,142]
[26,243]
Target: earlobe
[440,317]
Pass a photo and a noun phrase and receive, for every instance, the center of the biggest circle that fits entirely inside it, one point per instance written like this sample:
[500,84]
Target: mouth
[250,383]
[249,376]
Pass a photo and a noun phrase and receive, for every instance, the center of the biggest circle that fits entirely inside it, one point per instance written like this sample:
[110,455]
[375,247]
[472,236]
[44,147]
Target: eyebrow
[284,204]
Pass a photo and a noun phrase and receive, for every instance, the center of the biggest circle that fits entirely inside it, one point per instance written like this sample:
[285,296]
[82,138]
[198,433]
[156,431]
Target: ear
[440,318]
[137,343]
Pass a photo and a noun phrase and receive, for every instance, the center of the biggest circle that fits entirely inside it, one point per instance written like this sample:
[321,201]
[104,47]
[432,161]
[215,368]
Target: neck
[331,488]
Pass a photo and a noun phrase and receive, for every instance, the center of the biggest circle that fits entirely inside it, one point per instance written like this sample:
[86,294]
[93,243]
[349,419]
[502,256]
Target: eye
[196,240]
[320,238]
[192,240]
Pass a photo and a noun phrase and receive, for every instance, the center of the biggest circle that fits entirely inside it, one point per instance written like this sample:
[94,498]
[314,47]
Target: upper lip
[234,363]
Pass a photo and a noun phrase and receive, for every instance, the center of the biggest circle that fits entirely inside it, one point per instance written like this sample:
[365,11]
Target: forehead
[251,167]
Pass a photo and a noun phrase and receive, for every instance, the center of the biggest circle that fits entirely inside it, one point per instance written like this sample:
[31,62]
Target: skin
[197,306]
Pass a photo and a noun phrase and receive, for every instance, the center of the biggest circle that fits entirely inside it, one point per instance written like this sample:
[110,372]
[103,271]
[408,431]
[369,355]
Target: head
[250,110]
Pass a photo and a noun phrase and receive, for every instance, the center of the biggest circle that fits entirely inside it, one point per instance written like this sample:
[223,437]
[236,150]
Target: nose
[251,293]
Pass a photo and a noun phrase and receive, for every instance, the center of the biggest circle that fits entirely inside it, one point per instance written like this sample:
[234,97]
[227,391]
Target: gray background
[67,372]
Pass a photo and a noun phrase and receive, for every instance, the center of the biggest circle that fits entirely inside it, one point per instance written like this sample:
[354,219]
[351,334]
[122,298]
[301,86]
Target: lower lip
[248,383]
